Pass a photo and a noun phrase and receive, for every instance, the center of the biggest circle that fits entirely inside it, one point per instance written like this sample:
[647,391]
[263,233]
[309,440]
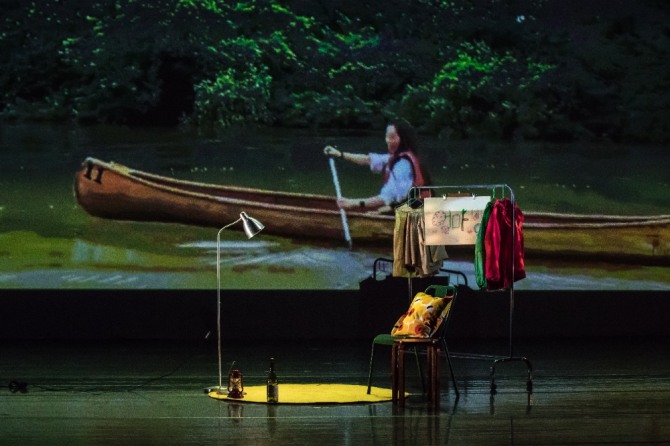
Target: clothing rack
[415,195]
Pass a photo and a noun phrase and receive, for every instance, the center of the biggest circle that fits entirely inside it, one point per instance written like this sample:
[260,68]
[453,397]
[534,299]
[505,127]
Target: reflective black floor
[585,392]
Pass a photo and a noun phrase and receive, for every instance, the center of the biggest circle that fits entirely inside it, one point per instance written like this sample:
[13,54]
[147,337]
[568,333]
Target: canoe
[114,191]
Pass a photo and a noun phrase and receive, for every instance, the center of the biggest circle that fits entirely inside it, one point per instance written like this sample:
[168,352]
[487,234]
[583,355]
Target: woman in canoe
[400,167]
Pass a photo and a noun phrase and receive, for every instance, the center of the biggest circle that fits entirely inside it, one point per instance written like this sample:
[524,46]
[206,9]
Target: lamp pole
[251,228]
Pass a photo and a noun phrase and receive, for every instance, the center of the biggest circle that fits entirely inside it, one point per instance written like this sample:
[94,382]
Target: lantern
[235,384]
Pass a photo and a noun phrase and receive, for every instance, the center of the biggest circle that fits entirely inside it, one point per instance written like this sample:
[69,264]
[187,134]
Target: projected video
[135,136]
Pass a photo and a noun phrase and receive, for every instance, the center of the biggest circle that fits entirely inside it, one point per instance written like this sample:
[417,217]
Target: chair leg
[451,370]
[433,352]
[372,361]
[395,379]
[399,373]
[418,366]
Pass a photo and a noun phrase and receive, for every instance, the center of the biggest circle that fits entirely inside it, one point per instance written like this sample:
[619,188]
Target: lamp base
[217,389]
[235,393]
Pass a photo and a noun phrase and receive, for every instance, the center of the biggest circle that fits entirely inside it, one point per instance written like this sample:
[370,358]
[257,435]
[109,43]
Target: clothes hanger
[414,199]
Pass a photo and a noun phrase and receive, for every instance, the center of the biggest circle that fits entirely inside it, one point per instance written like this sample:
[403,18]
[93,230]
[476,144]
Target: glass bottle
[272,384]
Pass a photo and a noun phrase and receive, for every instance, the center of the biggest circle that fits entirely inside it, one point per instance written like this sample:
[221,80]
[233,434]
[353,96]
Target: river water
[48,241]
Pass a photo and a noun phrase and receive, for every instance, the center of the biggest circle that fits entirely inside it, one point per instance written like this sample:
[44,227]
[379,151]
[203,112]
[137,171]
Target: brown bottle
[272,384]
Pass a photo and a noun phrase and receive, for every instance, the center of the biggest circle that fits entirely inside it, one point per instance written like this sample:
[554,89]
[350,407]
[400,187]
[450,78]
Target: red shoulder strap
[419,179]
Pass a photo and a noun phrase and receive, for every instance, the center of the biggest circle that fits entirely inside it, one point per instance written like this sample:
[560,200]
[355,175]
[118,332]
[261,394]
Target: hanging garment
[411,256]
[504,255]
[480,251]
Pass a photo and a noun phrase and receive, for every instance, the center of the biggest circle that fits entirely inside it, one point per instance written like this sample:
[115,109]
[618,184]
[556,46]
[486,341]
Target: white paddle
[338,192]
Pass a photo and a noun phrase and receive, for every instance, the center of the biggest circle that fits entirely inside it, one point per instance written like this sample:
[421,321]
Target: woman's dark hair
[407,134]
[408,143]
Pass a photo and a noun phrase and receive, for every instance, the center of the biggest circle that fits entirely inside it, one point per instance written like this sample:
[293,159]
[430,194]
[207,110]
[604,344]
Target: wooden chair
[436,341]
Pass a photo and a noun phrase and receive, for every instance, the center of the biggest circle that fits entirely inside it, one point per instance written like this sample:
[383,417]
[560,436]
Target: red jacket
[504,254]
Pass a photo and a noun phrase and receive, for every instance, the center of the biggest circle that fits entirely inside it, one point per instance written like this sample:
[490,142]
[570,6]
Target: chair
[439,334]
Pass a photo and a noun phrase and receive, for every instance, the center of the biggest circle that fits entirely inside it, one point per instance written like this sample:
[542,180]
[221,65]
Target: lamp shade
[251,225]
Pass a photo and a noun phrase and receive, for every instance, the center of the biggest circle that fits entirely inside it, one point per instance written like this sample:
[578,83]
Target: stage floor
[607,391]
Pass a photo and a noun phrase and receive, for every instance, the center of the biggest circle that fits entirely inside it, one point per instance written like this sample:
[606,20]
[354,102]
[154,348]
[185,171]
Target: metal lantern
[235,384]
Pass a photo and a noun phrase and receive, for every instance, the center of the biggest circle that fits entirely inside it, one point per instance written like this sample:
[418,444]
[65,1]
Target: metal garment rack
[415,194]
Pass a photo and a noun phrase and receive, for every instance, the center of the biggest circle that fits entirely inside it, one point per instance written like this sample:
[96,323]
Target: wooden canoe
[113,191]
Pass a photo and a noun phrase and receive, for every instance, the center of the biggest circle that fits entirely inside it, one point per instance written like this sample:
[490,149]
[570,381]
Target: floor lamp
[251,228]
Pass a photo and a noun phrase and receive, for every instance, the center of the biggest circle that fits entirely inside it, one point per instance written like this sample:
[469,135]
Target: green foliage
[458,68]
[480,92]
[234,97]
[342,107]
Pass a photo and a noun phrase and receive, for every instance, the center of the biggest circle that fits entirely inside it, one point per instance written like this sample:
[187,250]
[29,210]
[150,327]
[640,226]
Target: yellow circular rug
[312,394]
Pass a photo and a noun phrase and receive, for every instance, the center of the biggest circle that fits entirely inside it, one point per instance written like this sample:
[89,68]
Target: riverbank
[45,234]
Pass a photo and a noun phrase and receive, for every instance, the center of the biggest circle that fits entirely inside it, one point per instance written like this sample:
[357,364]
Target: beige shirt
[411,256]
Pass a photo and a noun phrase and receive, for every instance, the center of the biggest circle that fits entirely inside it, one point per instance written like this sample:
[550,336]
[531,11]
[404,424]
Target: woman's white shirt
[400,178]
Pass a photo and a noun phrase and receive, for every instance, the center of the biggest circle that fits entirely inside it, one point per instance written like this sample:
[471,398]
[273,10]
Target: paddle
[338,192]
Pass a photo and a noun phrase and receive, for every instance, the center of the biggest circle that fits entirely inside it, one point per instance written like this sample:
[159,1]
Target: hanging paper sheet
[453,220]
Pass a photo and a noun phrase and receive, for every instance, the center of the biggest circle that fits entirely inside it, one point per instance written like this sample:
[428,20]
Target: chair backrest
[441,290]
[449,291]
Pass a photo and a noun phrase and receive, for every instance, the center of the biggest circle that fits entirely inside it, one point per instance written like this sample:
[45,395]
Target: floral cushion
[423,317]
